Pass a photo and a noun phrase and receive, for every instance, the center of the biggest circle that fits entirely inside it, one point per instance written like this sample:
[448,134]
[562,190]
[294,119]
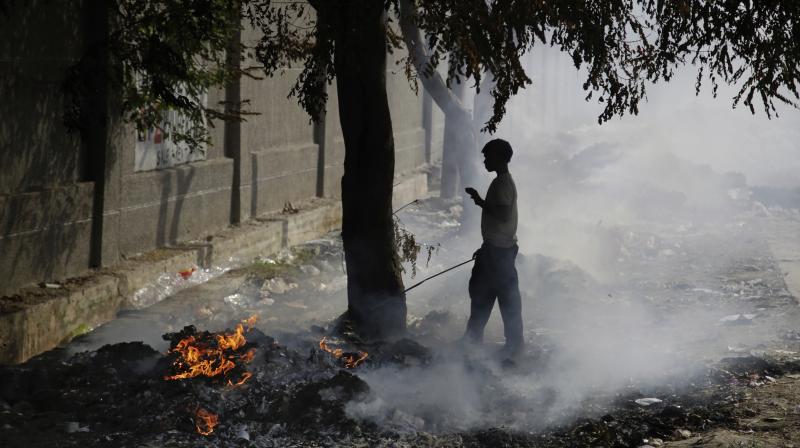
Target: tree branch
[431,79]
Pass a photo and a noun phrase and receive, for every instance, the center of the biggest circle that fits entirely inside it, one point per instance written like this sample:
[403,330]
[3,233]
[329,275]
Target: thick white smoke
[595,200]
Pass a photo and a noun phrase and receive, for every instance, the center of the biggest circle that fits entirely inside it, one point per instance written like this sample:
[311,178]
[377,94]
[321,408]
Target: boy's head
[496,154]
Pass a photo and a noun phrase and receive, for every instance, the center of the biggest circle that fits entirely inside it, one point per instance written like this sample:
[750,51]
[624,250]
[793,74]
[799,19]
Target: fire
[350,360]
[205,421]
[250,321]
[245,376]
[212,355]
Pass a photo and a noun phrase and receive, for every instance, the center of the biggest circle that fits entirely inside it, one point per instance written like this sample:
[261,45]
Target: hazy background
[625,232]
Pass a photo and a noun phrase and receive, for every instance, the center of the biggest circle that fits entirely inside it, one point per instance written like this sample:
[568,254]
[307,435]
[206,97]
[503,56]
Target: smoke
[685,157]
[627,232]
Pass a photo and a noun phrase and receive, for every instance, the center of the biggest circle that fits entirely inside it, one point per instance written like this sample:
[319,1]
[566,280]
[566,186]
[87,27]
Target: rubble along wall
[48,200]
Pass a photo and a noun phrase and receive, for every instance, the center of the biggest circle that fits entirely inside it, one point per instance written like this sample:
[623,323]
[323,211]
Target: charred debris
[241,387]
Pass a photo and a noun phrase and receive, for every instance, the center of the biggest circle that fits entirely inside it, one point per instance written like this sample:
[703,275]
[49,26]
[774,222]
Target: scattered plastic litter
[310,270]
[169,284]
[785,352]
[683,433]
[296,304]
[737,349]
[738,319]
[71,427]
[242,433]
[186,273]
[278,285]
[52,285]
[647,401]
[238,300]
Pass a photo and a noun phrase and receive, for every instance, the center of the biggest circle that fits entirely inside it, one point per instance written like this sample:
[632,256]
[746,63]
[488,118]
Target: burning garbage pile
[240,386]
[350,360]
[221,356]
[208,388]
[205,421]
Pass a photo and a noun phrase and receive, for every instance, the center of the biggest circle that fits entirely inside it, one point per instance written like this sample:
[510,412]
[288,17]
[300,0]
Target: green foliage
[622,45]
[80,330]
[163,55]
[166,54]
[752,44]
[281,265]
[291,34]
[407,247]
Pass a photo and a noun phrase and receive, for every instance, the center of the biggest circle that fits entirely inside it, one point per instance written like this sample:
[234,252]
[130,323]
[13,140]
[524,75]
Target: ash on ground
[665,342]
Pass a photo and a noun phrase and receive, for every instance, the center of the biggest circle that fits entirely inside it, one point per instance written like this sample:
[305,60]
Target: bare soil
[104,389]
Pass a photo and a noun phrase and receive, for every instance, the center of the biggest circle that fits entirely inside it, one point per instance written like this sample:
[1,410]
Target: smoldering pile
[128,394]
[214,389]
[297,394]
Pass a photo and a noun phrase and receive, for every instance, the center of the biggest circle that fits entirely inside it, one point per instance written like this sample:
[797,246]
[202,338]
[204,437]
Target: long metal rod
[412,202]
[438,274]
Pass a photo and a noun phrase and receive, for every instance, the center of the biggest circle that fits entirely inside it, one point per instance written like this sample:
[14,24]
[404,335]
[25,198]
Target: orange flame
[350,360]
[250,321]
[205,421]
[199,358]
[245,376]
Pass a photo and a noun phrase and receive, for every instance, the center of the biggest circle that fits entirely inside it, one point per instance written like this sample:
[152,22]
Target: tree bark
[451,145]
[375,293]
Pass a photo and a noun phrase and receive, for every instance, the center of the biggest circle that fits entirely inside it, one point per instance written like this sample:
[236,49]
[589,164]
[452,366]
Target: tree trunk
[375,293]
[462,154]
[452,146]
[460,157]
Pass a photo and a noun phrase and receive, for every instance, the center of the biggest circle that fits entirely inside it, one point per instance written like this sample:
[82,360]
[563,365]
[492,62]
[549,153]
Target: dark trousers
[495,277]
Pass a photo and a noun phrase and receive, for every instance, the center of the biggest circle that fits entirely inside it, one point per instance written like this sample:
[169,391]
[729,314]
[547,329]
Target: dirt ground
[766,416]
[694,318]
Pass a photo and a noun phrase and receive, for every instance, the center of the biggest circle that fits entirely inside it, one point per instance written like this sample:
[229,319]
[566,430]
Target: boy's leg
[482,298]
[510,303]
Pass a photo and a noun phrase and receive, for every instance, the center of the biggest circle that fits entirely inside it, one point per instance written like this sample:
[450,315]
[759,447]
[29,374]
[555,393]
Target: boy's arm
[501,212]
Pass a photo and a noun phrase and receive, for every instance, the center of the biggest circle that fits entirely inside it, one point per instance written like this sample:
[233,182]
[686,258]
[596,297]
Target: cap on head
[499,146]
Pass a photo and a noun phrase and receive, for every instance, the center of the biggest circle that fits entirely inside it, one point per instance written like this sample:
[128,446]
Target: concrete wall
[406,111]
[45,208]
[35,149]
[47,192]
[174,204]
[279,154]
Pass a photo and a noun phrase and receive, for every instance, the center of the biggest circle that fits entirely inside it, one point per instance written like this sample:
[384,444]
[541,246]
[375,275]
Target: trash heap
[131,395]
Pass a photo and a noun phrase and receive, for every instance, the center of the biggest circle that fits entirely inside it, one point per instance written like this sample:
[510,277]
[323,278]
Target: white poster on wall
[154,151]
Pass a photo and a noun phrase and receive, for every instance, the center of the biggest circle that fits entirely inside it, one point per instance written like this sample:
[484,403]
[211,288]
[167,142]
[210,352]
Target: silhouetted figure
[494,274]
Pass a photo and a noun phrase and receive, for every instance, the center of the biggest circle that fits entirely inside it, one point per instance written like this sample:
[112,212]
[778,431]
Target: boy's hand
[475,196]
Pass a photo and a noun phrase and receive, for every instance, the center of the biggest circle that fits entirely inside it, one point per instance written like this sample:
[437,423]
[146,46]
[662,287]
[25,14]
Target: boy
[494,274]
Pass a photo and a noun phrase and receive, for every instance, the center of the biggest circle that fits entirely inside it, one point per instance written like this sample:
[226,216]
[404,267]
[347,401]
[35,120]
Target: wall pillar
[103,136]
[233,132]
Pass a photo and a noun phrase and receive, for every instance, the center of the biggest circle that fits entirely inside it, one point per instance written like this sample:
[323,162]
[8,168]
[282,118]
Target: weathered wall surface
[45,208]
[279,154]
[406,110]
[174,204]
[47,186]
[37,151]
